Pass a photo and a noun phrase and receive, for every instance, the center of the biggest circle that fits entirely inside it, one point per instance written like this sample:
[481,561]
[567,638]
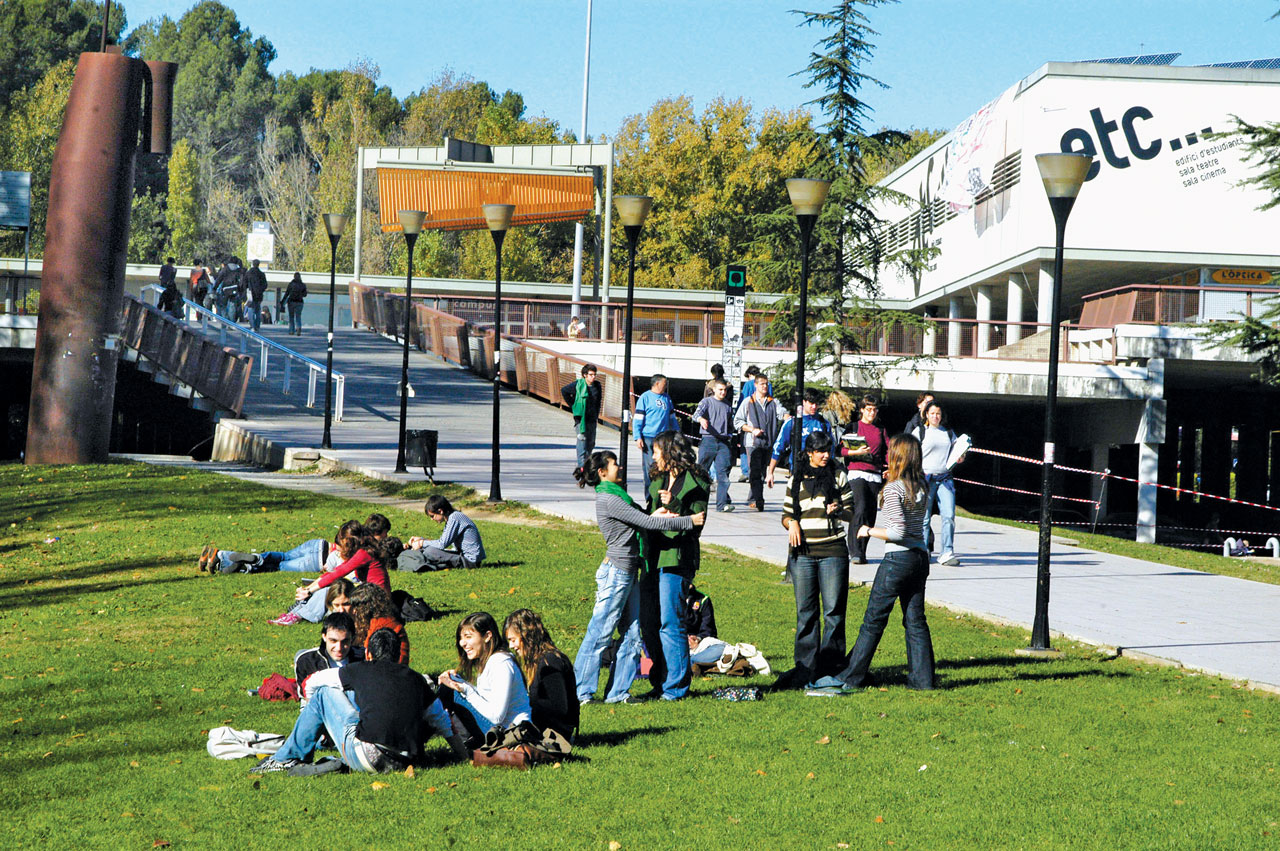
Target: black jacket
[257,284]
[594,394]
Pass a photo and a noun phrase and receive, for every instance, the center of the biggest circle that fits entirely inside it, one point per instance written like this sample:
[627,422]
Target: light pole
[632,211]
[498,217]
[411,222]
[1063,175]
[335,224]
[807,197]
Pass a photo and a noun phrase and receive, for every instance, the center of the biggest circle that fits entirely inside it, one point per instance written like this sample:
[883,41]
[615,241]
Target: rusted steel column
[90,190]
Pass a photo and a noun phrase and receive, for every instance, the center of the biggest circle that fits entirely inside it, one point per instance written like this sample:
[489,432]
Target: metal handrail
[245,336]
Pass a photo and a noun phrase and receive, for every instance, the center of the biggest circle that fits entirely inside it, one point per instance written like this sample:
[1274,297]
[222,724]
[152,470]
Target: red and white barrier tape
[1029,493]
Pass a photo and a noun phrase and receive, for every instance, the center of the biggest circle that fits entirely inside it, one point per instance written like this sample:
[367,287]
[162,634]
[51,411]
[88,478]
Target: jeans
[295,316]
[255,314]
[312,609]
[328,709]
[617,606]
[714,452]
[307,557]
[864,514]
[662,596]
[476,724]
[759,461]
[901,576]
[586,442]
[942,492]
[646,460]
[826,578]
[709,652]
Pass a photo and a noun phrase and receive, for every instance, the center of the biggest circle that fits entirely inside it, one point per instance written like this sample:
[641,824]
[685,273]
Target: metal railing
[246,338]
[1158,304]
[215,372]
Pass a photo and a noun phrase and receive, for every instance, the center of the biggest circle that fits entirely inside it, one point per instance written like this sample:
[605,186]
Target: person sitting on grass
[313,556]
[372,610]
[459,545]
[397,710]
[336,650]
[548,673]
[367,563]
[486,690]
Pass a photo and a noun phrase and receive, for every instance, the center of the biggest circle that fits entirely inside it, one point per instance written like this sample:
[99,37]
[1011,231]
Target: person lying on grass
[486,690]
[314,556]
[367,563]
[459,545]
[548,673]
[372,610]
[398,710]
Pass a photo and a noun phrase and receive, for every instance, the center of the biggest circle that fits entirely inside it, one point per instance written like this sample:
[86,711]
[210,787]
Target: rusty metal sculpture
[116,103]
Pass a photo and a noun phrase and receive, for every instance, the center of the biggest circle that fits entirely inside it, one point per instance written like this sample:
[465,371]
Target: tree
[40,34]
[285,186]
[183,208]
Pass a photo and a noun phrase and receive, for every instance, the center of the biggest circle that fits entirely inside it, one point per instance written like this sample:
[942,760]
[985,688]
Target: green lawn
[118,656]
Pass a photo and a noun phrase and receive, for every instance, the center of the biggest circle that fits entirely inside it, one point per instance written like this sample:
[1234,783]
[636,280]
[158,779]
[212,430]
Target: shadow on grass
[26,597]
[621,737]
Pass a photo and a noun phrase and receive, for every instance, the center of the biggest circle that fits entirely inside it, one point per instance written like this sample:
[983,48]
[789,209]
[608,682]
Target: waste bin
[420,450]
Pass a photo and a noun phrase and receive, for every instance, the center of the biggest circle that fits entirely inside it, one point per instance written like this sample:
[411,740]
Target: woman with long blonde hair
[902,572]
[548,673]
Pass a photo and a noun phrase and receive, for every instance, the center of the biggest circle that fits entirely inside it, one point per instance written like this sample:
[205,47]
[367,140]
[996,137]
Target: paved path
[1212,623]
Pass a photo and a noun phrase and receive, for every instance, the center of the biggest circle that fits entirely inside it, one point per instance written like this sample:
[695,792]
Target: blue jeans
[617,606]
[476,724]
[646,461]
[255,314]
[307,557]
[820,655]
[901,576]
[715,453]
[295,316]
[942,492]
[328,709]
[662,596]
[312,609]
[586,442]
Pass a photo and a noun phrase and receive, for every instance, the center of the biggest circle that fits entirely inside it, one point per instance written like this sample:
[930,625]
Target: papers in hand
[962,445]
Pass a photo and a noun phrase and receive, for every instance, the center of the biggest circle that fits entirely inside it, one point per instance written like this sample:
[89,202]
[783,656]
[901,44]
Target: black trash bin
[420,450]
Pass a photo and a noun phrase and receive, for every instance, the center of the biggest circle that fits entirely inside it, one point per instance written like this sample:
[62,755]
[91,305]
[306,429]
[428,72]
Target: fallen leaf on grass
[133,763]
[472,596]
[408,772]
[1179,803]
[431,790]
[922,768]
[879,819]
[810,776]
[126,815]
[842,844]
[761,772]
[825,740]
[614,845]
[161,843]
[378,784]
[935,735]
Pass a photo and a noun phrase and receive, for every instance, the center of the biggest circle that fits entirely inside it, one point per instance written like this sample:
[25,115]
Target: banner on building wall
[735,315]
[976,146]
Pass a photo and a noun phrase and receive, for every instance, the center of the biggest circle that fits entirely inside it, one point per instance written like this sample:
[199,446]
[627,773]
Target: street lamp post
[498,217]
[335,224]
[1063,175]
[632,210]
[411,222]
[807,197]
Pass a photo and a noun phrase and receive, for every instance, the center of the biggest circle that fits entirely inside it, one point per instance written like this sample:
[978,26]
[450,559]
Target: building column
[1187,462]
[930,333]
[1013,310]
[984,319]
[1044,293]
[1148,474]
[1100,461]
[955,331]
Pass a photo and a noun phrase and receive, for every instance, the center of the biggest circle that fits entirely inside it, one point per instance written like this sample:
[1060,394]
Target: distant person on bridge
[199,283]
[170,300]
[759,418]
[168,273]
[655,415]
[583,398]
[257,290]
[229,288]
[294,295]
[458,546]
[576,328]
[810,423]
[715,419]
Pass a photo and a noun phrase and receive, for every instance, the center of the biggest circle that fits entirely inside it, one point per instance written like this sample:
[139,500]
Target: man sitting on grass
[337,632]
[398,709]
[459,544]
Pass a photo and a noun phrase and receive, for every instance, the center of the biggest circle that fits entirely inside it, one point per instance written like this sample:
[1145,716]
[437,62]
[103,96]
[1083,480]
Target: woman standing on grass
[816,507]
[677,485]
[617,602]
[486,690]
[548,673]
[902,572]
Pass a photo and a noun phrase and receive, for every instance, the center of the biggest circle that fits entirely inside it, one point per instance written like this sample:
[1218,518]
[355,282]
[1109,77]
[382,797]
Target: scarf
[618,491]
[580,405]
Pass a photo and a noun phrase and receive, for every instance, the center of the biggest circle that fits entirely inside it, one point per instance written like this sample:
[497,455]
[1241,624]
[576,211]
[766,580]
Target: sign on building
[260,246]
[15,199]
[735,314]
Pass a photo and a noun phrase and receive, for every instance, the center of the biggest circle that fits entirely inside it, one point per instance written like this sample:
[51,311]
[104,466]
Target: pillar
[955,331]
[984,294]
[1044,293]
[1148,474]
[1187,462]
[930,333]
[1013,310]
[1100,460]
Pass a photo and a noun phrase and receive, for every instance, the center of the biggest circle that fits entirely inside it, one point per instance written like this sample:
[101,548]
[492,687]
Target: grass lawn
[118,656]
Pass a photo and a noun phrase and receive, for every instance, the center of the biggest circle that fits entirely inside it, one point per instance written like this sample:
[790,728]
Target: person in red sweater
[365,563]
[863,448]
[372,610]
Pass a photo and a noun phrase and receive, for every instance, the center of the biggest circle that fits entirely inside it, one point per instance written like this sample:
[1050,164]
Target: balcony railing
[1153,304]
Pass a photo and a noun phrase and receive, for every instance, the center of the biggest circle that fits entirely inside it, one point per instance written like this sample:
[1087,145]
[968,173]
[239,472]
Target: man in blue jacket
[812,422]
[655,415]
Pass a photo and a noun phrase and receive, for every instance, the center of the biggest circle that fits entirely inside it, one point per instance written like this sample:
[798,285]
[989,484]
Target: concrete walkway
[1205,622]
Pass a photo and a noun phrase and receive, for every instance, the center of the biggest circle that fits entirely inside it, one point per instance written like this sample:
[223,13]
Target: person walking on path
[902,572]
[748,387]
[839,412]
[817,505]
[168,273]
[229,289]
[917,419]
[294,296]
[655,415]
[709,389]
[676,486]
[759,418]
[170,300]
[864,450]
[715,419]
[257,290]
[936,441]
[811,422]
[617,601]
[583,398]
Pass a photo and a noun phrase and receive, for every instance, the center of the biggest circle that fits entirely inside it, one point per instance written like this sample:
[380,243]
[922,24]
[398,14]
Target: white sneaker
[949,559]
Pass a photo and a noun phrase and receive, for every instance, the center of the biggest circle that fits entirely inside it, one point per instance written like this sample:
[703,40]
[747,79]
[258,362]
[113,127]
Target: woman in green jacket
[678,484]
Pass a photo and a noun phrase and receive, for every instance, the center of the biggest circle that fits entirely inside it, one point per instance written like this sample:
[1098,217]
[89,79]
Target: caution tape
[1029,493]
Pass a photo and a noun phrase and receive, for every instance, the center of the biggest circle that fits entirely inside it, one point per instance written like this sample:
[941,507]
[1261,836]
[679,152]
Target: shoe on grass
[270,764]
[631,699]
[587,701]
[328,765]
[287,619]
[825,692]
[208,559]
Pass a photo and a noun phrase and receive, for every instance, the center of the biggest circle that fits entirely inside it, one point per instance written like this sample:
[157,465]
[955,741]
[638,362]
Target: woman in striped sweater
[902,572]
[817,505]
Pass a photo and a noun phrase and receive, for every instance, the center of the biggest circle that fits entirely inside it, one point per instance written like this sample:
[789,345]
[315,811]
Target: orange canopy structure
[452,198]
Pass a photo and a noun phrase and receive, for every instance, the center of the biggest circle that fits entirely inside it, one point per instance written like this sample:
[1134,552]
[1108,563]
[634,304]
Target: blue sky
[942,59]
